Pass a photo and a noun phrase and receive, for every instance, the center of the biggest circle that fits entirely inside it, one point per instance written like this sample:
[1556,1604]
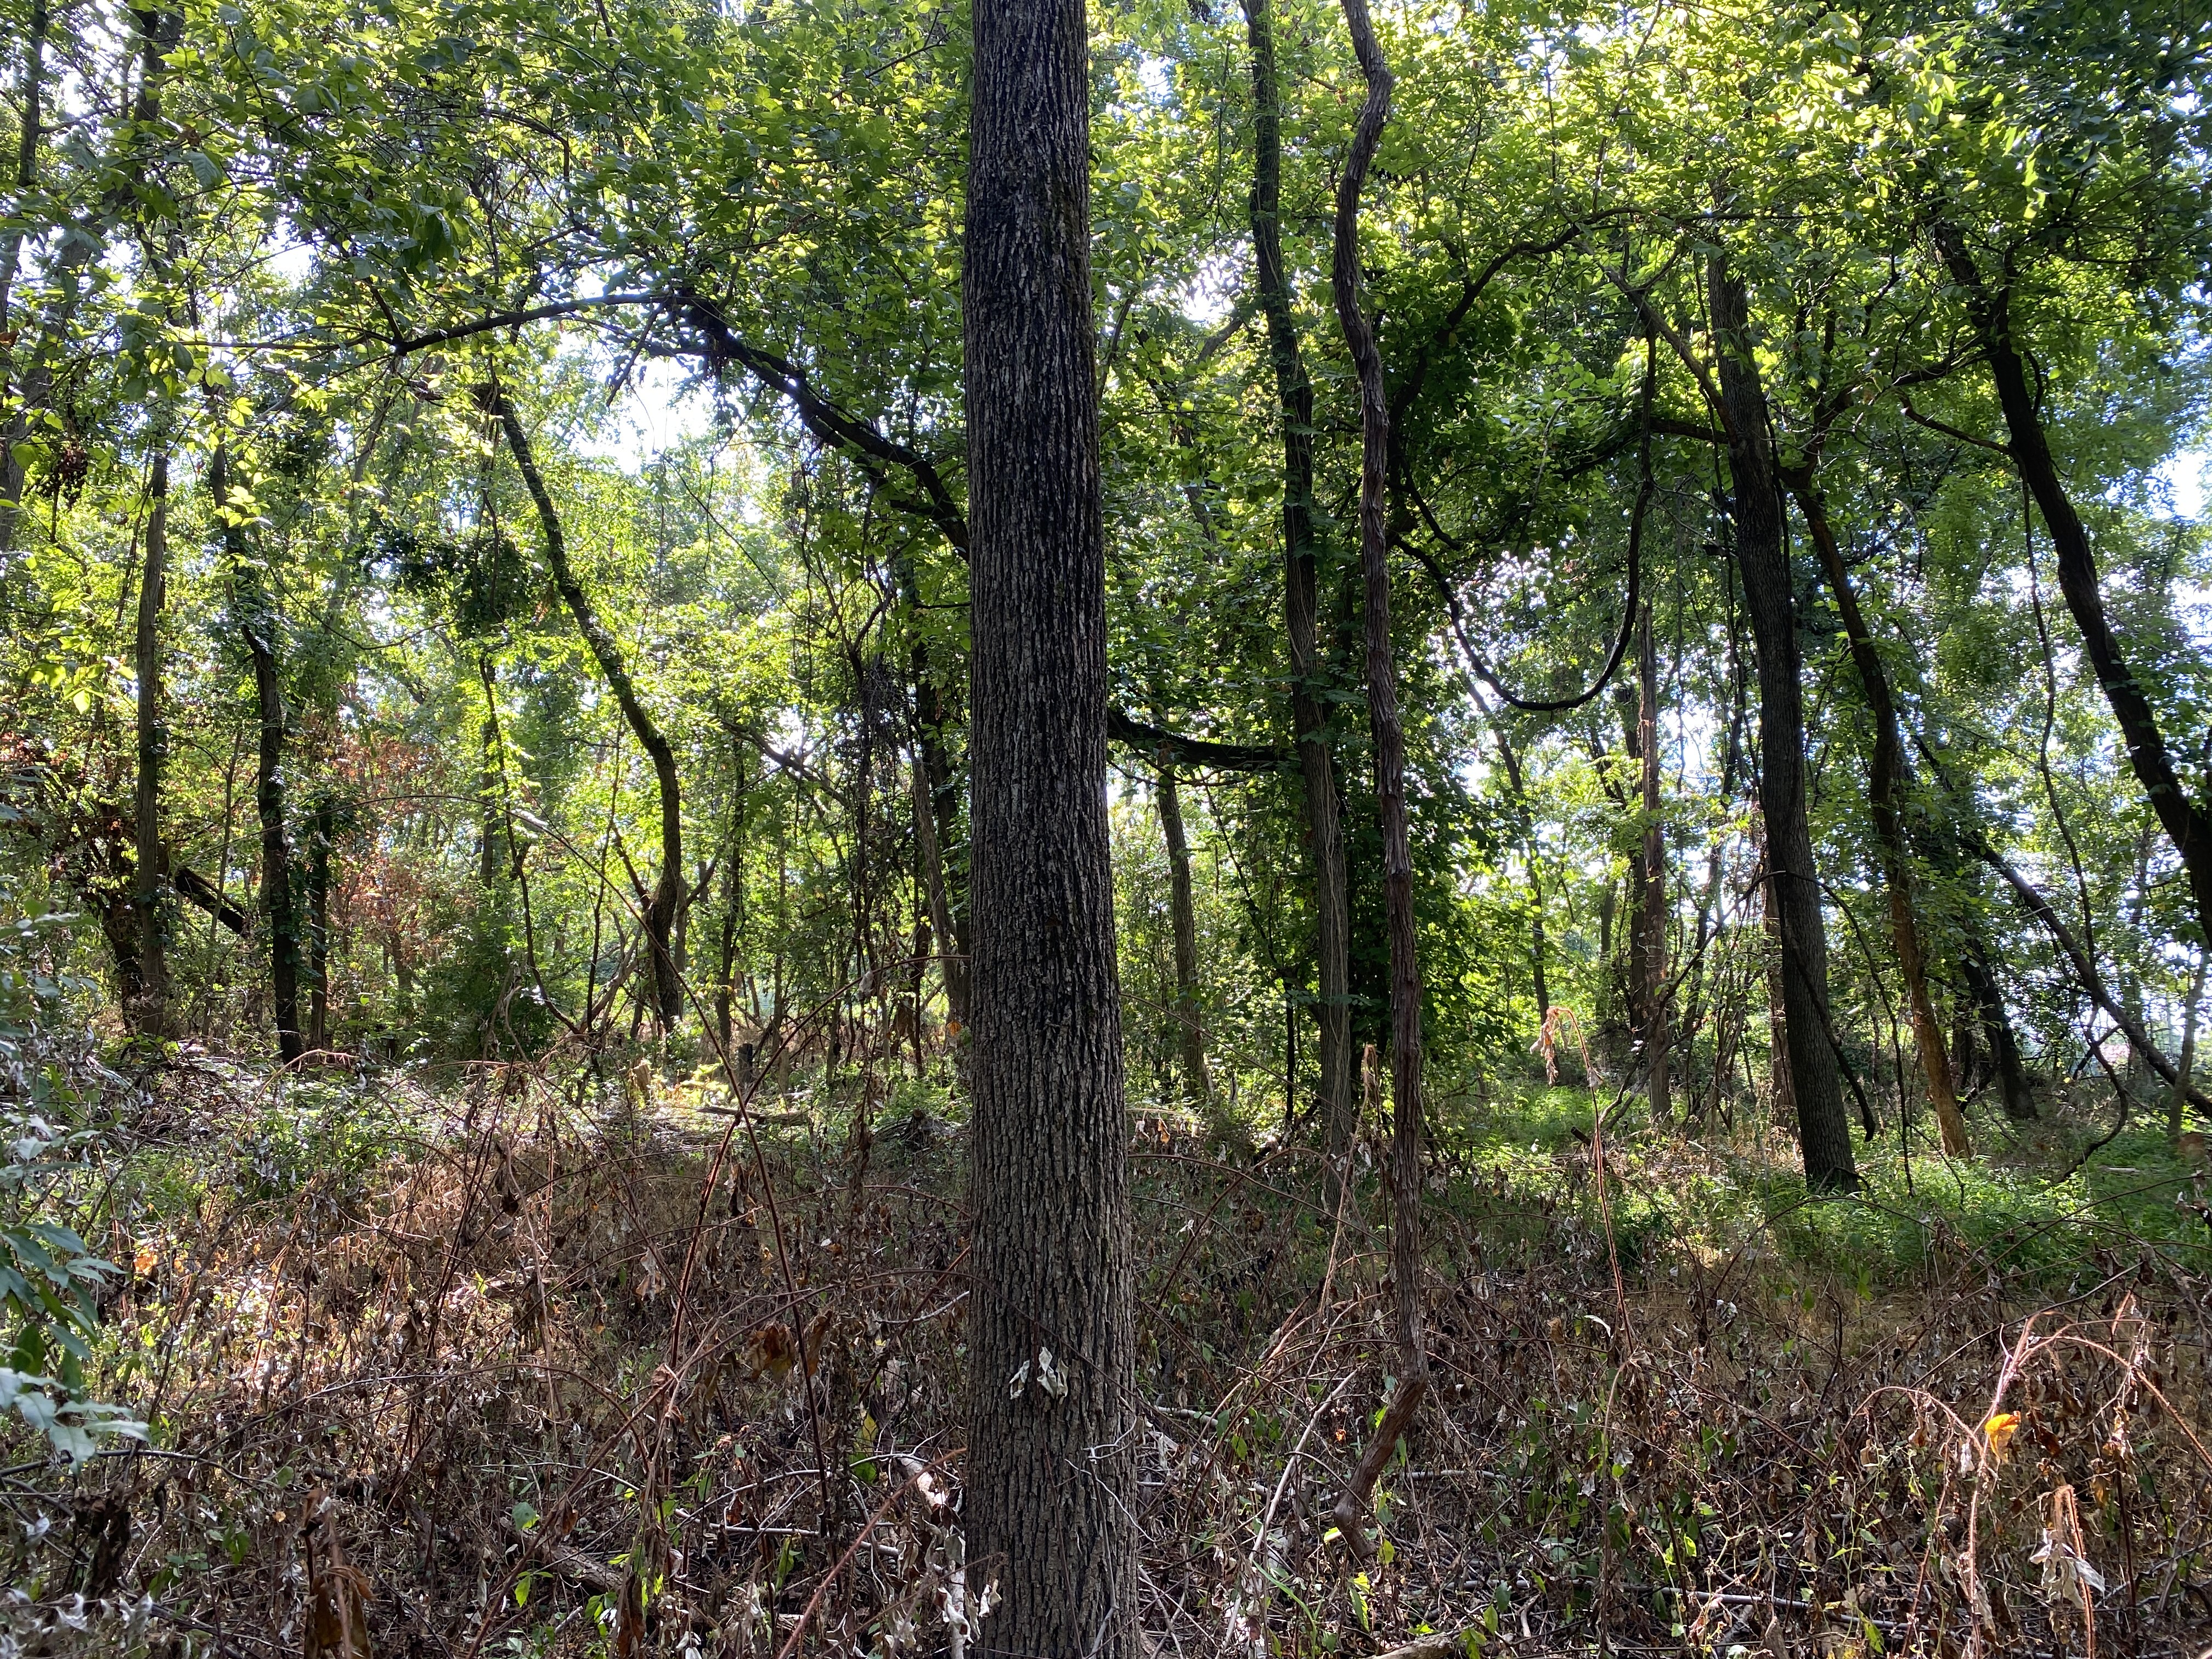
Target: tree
[1793,884]
[1390,781]
[1050,1328]
[1294,398]
[668,891]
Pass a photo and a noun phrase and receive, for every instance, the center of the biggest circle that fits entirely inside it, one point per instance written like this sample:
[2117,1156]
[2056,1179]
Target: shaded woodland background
[483,827]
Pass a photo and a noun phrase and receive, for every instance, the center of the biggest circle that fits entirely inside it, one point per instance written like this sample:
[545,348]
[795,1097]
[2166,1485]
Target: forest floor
[524,1361]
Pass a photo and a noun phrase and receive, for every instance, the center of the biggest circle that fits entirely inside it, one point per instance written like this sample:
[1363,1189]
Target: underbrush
[528,1361]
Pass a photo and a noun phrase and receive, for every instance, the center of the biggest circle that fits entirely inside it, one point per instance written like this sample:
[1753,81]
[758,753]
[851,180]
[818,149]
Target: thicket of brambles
[839,827]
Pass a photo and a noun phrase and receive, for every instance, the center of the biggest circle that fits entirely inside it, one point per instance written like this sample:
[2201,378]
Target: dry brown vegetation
[533,1366]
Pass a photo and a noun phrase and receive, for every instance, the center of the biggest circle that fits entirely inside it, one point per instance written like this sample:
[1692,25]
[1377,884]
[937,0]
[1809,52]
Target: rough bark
[1190,1027]
[150,875]
[1793,884]
[668,891]
[2188,825]
[1886,804]
[1389,744]
[257,623]
[1050,1471]
[1294,395]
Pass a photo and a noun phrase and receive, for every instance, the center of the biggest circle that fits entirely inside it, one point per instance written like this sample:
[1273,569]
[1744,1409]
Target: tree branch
[1200,753]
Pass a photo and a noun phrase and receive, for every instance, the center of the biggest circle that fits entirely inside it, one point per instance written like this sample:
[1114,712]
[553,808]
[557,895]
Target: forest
[1178,827]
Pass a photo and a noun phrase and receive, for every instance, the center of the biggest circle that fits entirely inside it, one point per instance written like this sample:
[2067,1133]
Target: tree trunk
[1390,786]
[1781,1098]
[1190,1027]
[929,853]
[2186,823]
[1650,935]
[733,911]
[668,891]
[26,175]
[1050,1472]
[26,158]
[322,828]
[490,818]
[1340,1110]
[2176,1100]
[1884,799]
[150,876]
[258,621]
[1793,885]
[942,802]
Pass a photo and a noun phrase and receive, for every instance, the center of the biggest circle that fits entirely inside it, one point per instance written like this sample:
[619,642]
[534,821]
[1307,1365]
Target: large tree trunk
[1884,799]
[2186,823]
[1651,929]
[668,890]
[1190,1026]
[1050,1471]
[1389,785]
[258,621]
[1793,885]
[1294,395]
[149,876]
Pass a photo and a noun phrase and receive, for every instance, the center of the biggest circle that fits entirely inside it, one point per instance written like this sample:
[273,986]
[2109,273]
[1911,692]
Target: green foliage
[50,1086]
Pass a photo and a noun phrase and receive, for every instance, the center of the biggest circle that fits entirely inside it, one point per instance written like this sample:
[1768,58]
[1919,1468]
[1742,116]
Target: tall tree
[1792,881]
[1885,802]
[1183,917]
[1051,1341]
[149,873]
[1648,939]
[258,621]
[668,891]
[1389,742]
[2185,818]
[1294,398]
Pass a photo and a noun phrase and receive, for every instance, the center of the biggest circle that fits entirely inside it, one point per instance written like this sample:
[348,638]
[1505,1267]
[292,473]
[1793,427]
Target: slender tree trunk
[733,910]
[930,854]
[1651,901]
[2186,823]
[1793,884]
[1537,948]
[1389,785]
[322,828]
[1884,799]
[150,873]
[27,160]
[938,798]
[1340,1110]
[258,621]
[668,892]
[1190,1026]
[2176,1100]
[26,175]
[1051,1469]
[490,818]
